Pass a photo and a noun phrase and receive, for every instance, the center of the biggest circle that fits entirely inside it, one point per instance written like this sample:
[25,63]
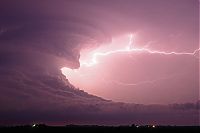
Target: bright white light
[33,125]
[90,59]
[128,48]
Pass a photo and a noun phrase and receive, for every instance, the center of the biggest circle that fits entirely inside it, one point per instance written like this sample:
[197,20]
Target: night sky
[107,62]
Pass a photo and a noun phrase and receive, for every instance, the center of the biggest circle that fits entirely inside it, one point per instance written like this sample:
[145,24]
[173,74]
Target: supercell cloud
[38,38]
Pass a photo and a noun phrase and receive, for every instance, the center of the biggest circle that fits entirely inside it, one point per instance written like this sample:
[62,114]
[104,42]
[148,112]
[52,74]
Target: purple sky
[155,80]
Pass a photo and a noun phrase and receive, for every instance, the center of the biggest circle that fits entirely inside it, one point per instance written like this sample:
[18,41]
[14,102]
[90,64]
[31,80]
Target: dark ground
[101,129]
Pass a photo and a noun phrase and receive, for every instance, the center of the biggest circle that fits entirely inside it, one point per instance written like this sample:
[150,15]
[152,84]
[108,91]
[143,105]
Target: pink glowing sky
[125,71]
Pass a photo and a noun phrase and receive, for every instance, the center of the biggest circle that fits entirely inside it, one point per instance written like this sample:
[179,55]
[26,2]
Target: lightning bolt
[129,49]
[144,82]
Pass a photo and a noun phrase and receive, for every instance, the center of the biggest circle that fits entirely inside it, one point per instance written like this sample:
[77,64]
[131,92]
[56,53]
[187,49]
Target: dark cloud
[60,39]
[105,113]
[62,29]
[36,28]
[186,106]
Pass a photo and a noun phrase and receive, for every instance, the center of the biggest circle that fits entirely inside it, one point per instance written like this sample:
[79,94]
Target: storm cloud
[38,38]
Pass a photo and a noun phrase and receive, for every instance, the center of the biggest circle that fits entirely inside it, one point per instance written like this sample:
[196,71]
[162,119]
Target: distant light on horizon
[34,125]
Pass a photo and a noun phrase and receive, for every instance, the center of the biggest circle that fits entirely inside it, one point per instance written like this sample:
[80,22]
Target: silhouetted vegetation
[101,129]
